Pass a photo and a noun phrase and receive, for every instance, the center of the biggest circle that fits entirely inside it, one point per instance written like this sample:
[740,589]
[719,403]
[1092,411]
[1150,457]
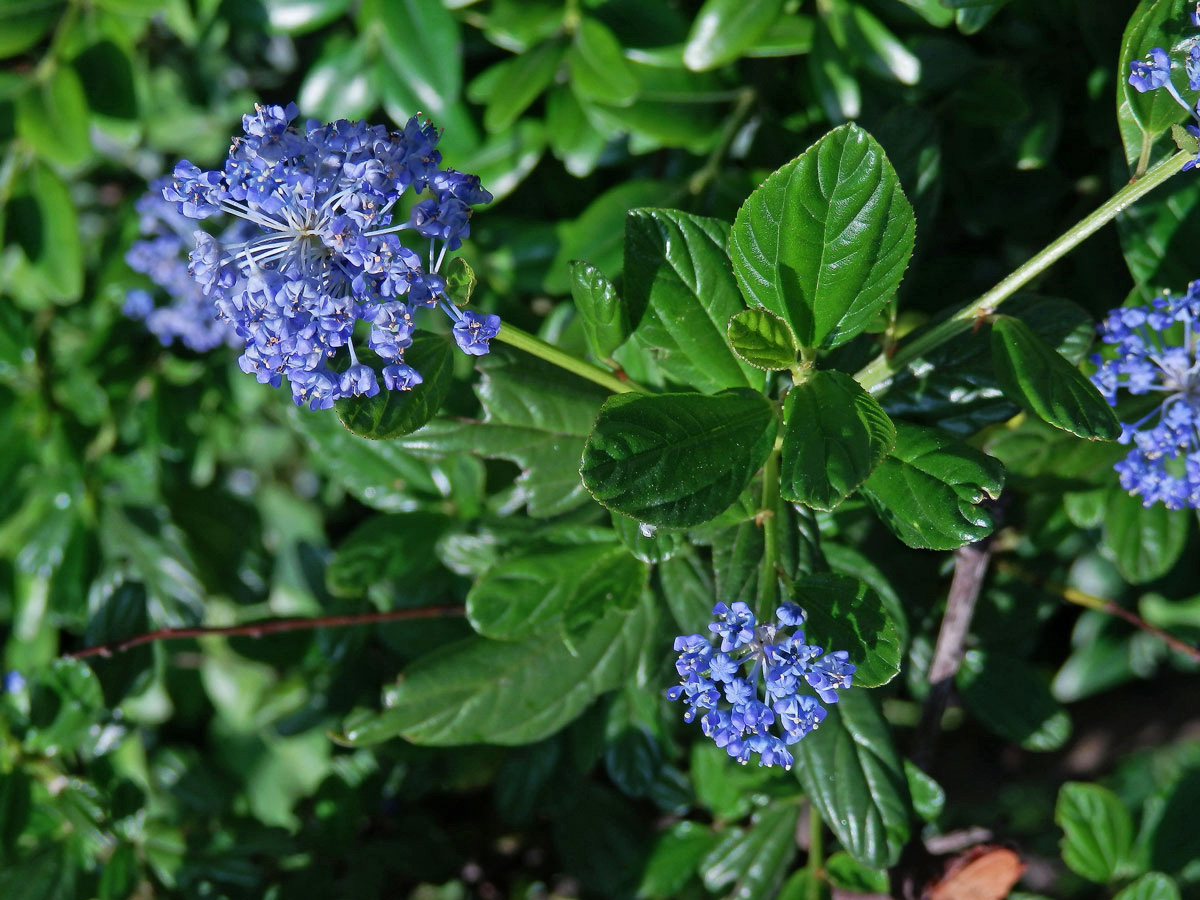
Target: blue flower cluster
[773,653]
[188,317]
[1156,357]
[324,250]
[1154,72]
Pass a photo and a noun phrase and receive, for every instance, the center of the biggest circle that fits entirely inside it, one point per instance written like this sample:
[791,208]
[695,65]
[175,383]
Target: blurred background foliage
[148,487]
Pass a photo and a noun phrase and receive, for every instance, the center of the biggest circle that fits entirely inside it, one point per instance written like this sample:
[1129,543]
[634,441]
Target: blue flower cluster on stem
[1154,73]
[770,657]
[1156,358]
[324,248]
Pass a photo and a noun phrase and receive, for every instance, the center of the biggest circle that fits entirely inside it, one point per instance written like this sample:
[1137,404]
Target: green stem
[767,577]
[703,176]
[816,858]
[535,346]
[876,374]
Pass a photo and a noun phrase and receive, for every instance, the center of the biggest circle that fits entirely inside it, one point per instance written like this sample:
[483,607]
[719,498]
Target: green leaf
[1155,23]
[847,873]
[1144,541]
[762,339]
[391,414]
[650,545]
[43,255]
[1012,700]
[378,473]
[727,790]
[844,614]
[107,76]
[47,874]
[573,138]
[605,317]
[65,702]
[834,435]
[883,52]
[928,797]
[676,459]
[1151,886]
[52,115]
[824,241]
[753,862]
[1036,376]
[928,490]
[536,416]
[790,35]
[1097,830]
[337,85]
[804,885]
[120,874]
[460,281]
[384,550]
[673,860]
[300,16]
[532,592]
[420,41]
[521,81]
[15,805]
[496,692]
[680,290]
[851,771]
[23,24]
[597,64]
[723,29]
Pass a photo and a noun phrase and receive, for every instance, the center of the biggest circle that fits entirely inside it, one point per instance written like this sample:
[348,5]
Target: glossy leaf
[762,339]
[390,414]
[851,771]
[847,873]
[1037,377]
[598,68]
[1013,701]
[676,459]
[1144,541]
[604,315]
[520,81]
[420,41]
[1097,830]
[498,692]
[1151,886]
[337,85]
[824,241]
[753,862]
[564,588]
[834,435]
[647,543]
[928,797]
[928,490]
[301,16]
[680,289]
[845,614]
[724,29]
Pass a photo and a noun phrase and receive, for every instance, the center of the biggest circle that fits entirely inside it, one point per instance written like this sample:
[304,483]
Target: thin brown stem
[269,626]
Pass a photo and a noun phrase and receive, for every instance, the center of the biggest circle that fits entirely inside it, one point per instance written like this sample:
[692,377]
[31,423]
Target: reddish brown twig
[269,626]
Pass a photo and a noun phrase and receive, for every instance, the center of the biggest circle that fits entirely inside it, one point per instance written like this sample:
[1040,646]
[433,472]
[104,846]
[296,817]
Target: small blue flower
[13,682]
[319,249]
[1151,73]
[776,661]
[1156,354]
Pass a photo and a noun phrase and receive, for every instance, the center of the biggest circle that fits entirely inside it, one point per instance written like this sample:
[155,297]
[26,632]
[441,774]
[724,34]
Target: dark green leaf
[723,29]
[1151,886]
[929,488]
[850,770]
[597,64]
[834,435]
[790,35]
[676,459]
[1097,830]
[1144,541]
[42,226]
[1012,700]
[845,614]
[688,590]
[605,317]
[762,339]
[47,874]
[1169,818]
[496,692]
[520,82]
[52,115]
[573,138]
[1037,377]
[649,544]
[727,790]
[928,797]
[674,859]
[15,805]
[804,885]
[680,290]
[120,874]
[106,73]
[753,862]
[23,24]
[824,241]
[390,414]
[65,702]
[847,873]
[561,589]
[384,549]
[420,41]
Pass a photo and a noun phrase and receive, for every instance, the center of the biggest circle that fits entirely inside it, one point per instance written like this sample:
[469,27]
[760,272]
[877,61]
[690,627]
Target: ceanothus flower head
[1151,73]
[1156,356]
[775,657]
[319,248]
